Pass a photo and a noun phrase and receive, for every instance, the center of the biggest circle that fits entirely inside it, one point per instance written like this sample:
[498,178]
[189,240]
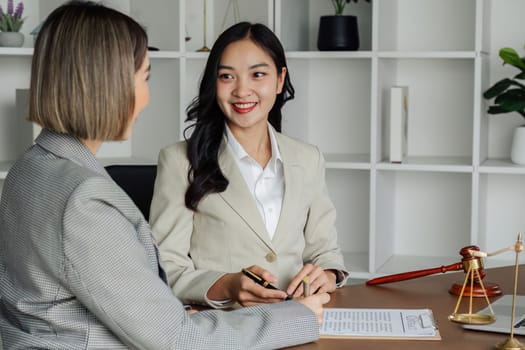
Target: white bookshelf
[457,185]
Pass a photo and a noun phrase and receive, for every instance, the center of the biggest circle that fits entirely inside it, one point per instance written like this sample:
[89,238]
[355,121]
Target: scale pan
[472,318]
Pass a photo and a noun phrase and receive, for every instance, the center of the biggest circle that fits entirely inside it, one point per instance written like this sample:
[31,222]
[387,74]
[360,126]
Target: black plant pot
[338,33]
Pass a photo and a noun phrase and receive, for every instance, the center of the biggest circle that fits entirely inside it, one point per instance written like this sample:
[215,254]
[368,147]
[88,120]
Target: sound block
[492,290]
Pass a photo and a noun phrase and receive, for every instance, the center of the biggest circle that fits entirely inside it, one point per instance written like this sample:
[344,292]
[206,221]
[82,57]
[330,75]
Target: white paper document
[381,323]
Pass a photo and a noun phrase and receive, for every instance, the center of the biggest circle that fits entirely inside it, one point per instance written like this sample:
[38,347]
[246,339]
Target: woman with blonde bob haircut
[96,98]
[79,268]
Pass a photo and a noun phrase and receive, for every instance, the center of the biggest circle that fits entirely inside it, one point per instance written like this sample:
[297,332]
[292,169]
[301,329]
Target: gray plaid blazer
[79,268]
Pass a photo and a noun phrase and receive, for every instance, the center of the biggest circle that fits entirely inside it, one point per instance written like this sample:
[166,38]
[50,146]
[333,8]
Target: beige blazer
[227,232]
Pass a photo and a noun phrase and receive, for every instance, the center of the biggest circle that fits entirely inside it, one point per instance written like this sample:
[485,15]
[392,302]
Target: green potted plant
[338,32]
[11,22]
[509,96]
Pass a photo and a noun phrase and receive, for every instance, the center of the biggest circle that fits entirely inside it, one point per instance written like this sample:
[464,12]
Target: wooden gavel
[473,286]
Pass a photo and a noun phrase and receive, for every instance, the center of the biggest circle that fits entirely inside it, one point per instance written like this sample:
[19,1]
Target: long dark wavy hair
[207,120]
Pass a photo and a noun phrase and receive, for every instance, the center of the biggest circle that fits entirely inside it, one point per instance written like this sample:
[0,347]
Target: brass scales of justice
[472,286]
[472,318]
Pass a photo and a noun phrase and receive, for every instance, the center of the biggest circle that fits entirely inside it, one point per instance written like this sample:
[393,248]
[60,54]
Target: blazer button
[271,257]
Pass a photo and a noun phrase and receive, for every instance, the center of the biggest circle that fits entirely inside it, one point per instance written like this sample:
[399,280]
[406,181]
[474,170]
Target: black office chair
[137,181]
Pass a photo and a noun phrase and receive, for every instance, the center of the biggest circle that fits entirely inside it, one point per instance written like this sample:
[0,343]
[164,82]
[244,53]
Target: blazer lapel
[293,179]
[238,197]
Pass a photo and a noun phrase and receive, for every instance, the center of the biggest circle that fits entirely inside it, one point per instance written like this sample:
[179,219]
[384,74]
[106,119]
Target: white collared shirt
[266,185]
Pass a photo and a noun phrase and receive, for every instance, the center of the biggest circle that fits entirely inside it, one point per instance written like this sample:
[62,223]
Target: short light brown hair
[83,70]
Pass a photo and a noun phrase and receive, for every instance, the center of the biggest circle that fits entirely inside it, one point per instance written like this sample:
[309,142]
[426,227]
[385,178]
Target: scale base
[510,344]
[492,289]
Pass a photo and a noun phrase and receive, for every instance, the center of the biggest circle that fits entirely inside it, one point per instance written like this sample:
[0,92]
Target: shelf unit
[456,186]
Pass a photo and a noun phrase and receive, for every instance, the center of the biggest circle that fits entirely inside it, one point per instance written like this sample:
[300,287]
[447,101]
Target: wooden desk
[426,292]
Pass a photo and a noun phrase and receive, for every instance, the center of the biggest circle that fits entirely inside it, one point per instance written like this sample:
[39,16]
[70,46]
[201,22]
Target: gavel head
[472,263]
[473,266]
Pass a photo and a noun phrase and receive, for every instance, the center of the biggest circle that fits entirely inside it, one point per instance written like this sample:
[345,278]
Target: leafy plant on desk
[509,93]
[11,20]
[339,5]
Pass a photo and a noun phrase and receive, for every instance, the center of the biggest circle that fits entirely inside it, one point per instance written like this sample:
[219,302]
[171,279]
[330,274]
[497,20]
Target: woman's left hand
[321,281]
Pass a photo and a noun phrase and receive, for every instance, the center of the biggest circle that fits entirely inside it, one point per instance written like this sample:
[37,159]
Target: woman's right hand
[238,287]
[250,293]
[315,303]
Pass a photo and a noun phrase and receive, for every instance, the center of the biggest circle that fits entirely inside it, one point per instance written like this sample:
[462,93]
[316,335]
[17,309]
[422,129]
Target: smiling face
[247,85]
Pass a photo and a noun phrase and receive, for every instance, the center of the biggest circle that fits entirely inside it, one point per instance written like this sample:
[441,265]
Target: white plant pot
[11,39]
[517,153]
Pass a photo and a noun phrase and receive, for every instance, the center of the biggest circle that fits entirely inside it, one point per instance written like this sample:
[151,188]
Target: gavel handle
[415,274]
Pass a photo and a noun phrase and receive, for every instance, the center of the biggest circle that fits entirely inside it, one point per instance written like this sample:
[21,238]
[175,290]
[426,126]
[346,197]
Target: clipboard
[357,323]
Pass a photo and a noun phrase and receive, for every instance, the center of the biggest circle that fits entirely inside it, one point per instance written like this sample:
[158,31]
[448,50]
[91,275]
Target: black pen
[261,281]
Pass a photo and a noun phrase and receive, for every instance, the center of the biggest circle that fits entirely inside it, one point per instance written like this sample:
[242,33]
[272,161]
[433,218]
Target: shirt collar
[240,153]
[236,147]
